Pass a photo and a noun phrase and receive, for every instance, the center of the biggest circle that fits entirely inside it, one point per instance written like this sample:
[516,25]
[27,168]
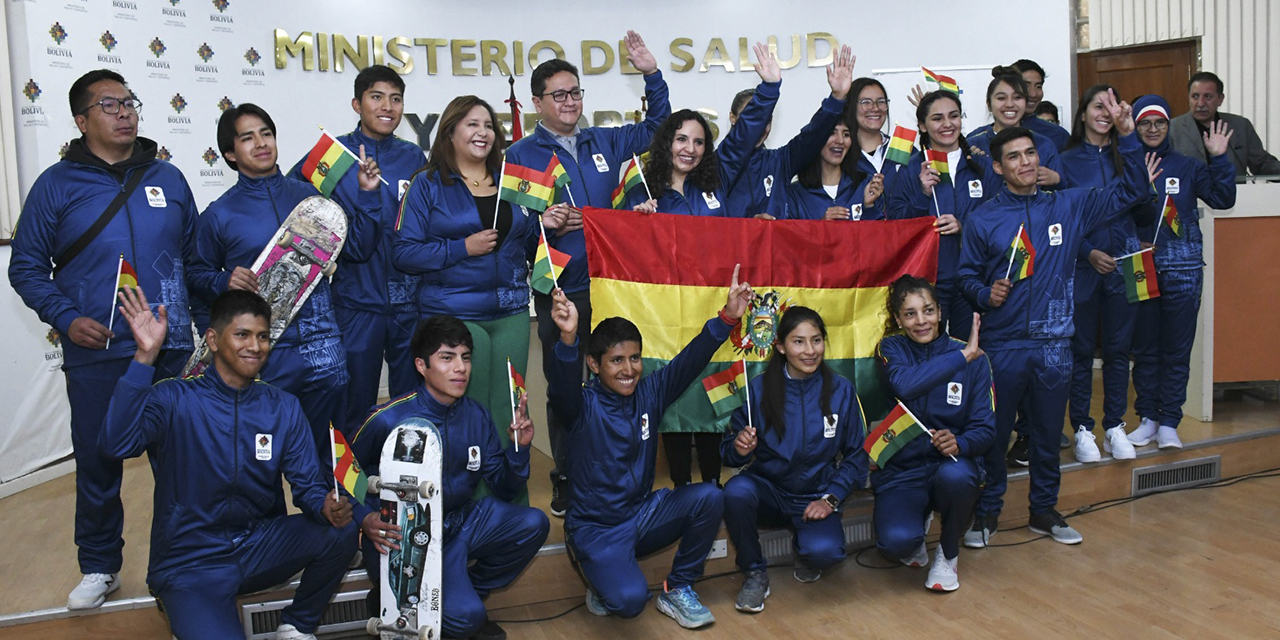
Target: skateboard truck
[375,627]
[403,490]
[307,249]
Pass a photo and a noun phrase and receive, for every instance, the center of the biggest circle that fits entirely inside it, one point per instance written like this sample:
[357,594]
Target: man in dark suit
[1187,131]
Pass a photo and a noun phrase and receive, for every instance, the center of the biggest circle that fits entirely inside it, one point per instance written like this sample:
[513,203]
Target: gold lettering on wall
[378,51]
[623,62]
[399,48]
[322,44]
[458,56]
[493,52]
[716,56]
[303,47]
[797,50]
[432,45]
[342,50]
[589,47]
[517,56]
[686,59]
[543,45]
[822,36]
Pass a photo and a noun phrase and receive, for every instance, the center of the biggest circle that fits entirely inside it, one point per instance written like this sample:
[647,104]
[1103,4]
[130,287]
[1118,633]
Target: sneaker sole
[1051,537]
[1089,459]
[937,587]
[753,609]
[670,612]
[1121,456]
[1170,445]
[558,514]
[97,603]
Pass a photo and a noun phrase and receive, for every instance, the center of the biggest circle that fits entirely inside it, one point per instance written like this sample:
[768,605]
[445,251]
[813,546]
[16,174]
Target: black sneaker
[1018,454]
[1051,523]
[490,631]
[559,495]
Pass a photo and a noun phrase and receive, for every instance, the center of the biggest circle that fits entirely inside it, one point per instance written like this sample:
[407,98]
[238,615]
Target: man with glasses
[593,158]
[1189,133]
[107,211]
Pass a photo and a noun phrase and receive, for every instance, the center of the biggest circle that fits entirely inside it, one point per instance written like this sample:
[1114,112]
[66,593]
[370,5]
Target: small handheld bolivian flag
[559,177]
[938,161]
[547,265]
[630,179]
[127,276]
[526,187]
[1170,216]
[900,146]
[517,383]
[1022,257]
[1139,271]
[946,83]
[723,388]
[327,163]
[346,469]
[895,431]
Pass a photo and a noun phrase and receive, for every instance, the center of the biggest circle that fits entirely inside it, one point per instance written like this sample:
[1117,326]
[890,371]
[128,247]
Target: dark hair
[922,114]
[374,74]
[1205,76]
[705,176]
[233,303]
[442,159]
[740,101]
[79,93]
[435,331]
[899,289]
[544,71]
[227,128]
[1024,65]
[1046,108]
[851,106]
[775,380]
[1006,136]
[1078,126]
[1009,76]
[610,332]
[810,177]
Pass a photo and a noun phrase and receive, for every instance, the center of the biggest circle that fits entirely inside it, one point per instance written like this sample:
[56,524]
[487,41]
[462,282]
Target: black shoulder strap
[99,224]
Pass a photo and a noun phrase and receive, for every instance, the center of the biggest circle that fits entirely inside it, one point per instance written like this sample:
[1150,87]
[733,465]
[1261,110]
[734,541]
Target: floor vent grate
[345,613]
[778,545]
[1176,475]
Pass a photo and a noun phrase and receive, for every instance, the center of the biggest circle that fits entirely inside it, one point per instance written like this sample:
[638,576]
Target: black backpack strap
[101,223]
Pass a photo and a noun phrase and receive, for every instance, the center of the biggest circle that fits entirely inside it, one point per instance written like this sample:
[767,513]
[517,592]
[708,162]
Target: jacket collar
[261,184]
[144,151]
[434,409]
[359,137]
[214,380]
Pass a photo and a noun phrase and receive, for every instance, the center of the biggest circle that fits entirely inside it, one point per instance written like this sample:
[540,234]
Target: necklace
[474,182]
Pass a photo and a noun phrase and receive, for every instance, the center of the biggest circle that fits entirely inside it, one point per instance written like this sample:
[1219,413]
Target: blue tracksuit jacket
[806,203]
[819,454]
[154,231]
[1042,307]
[1048,151]
[602,152]
[614,439]
[769,171]
[1186,180]
[366,279]
[1088,165]
[1056,134]
[943,391]
[218,455]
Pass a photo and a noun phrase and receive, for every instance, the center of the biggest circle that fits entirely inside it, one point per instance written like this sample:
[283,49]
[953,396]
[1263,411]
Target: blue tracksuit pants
[1162,346]
[370,337]
[903,504]
[750,500]
[607,555]
[486,546]
[1101,295]
[200,600]
[99,513]
[1035,379]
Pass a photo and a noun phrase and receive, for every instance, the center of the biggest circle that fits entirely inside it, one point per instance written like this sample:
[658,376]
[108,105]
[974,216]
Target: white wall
[1239,41]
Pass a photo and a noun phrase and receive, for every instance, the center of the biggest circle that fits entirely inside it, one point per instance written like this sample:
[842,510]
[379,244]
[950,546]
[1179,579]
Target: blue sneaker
[683,606]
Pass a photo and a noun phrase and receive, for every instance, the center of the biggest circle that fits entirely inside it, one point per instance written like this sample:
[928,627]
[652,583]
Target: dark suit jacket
[1245,148]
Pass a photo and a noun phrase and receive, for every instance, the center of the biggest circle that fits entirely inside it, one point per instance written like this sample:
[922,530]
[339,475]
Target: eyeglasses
[867,103]
[1153,124]
[561,96]
[111,106]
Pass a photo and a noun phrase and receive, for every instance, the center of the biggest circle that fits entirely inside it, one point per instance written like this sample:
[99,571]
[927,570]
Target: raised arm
[1216,181]
[505,470]
[908,380]
[564,377]
[138,414]
[683,370]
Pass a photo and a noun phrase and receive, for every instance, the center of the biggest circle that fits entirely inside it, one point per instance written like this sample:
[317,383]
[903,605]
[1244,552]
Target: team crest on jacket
[262,446]
[761,324]
[644,426]
[473,458]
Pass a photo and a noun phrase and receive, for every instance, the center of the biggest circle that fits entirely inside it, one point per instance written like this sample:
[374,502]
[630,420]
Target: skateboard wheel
[286,239]
[426,489]
[372,626]
[328,269]
[426,633]
[421,538]
[375,484]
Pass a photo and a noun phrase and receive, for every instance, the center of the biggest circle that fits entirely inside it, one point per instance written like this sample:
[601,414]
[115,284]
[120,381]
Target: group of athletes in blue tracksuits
[227,534]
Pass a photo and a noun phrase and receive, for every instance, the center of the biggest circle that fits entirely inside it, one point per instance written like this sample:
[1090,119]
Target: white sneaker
[92,590]
[1167,438]
[290,632]
[1143,435]
[1117,444]
[1086,446]
[918,559]
[944,575]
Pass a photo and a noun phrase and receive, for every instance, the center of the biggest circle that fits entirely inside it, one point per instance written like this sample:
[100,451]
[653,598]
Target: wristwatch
[831,501]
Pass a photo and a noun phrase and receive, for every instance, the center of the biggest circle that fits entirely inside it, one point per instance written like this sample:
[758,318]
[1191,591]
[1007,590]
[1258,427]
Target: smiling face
[1035,89]
[1018,164]
[240,349]
[473,137]
[872,116]
[380,110]
[943,124]
[105,131]
[804,349]
[1097,120]
[446,372]
[254,150]
[1153,129]
[1007,106]
[559,117]
[1205,101]
[619,368]
[687,147]
[837,146]
[919,317]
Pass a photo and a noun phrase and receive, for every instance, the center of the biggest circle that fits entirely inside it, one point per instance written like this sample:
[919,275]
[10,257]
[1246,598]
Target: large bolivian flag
[670,273]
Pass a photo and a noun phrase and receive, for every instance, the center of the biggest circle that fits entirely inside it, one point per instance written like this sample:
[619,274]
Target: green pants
[495,342]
